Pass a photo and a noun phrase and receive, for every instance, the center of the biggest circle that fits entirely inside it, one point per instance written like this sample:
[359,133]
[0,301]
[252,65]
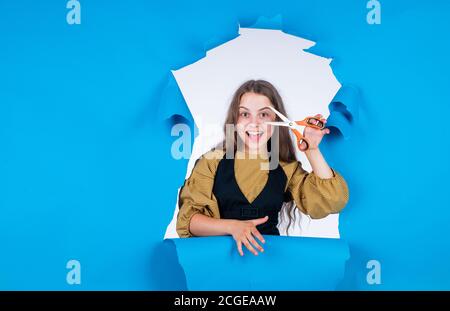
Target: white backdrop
[305,82]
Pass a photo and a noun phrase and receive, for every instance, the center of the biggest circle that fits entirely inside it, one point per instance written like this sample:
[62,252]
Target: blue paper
[79,180]
[287,263]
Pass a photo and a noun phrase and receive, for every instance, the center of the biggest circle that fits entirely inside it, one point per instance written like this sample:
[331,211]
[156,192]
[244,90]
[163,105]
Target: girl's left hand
[314,136]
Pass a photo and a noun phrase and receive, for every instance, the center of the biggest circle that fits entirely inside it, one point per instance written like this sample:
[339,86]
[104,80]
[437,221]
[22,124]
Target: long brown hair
[286,147]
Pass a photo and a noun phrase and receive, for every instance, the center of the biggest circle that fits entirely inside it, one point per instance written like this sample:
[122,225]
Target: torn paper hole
[344,110]
[313,264]
[305,82]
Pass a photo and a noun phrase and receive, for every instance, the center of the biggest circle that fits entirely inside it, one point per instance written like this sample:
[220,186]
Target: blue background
[85,165]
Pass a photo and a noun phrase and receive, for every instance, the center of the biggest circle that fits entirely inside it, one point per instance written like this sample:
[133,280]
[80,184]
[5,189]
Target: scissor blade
[278,123]
[282,117]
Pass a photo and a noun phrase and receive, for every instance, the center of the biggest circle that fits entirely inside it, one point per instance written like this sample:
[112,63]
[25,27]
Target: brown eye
[265,115]
[244,114]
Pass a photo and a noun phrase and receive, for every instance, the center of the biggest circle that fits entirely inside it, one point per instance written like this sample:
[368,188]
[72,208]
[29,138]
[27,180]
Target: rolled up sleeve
[318,197]
[196,197]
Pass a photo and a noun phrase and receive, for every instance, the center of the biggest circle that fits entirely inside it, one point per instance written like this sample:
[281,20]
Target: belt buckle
[249,212]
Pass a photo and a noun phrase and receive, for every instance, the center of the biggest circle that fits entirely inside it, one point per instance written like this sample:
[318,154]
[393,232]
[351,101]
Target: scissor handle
[312,122]
[300,140]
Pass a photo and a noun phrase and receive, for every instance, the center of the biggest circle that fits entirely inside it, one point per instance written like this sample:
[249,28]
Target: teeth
[255,133]
[252,134]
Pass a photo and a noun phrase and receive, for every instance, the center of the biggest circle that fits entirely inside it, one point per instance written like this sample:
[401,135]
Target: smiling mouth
[254,134]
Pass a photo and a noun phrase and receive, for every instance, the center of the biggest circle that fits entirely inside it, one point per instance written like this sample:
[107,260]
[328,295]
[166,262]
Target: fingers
[247,235]
[303,145]
[239,247]
[248,240]
[249,246]
[310,132]
[321,118]
[258,235]
[259,221]
[255,244]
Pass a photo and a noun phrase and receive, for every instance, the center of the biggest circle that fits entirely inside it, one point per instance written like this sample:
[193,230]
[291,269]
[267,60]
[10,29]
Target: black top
[234,205]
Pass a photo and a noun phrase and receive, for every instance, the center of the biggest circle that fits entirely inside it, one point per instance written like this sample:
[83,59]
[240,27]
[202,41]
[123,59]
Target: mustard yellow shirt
[314,196]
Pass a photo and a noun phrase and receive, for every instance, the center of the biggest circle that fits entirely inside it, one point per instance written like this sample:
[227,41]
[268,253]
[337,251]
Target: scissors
[295,126]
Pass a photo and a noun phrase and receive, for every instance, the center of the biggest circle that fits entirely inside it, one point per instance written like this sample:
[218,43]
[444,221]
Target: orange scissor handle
[300,140]
[310,122]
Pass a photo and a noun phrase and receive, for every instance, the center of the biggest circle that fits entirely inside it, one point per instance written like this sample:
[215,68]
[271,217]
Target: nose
[255,120]
[254,124]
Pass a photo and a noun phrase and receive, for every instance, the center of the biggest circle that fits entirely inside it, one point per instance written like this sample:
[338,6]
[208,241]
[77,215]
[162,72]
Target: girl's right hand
[244,232]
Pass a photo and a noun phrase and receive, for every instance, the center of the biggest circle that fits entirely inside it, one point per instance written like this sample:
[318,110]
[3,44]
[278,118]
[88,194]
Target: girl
[236,197]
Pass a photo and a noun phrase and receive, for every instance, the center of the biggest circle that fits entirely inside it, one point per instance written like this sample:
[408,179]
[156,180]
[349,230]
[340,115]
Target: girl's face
[254,111]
